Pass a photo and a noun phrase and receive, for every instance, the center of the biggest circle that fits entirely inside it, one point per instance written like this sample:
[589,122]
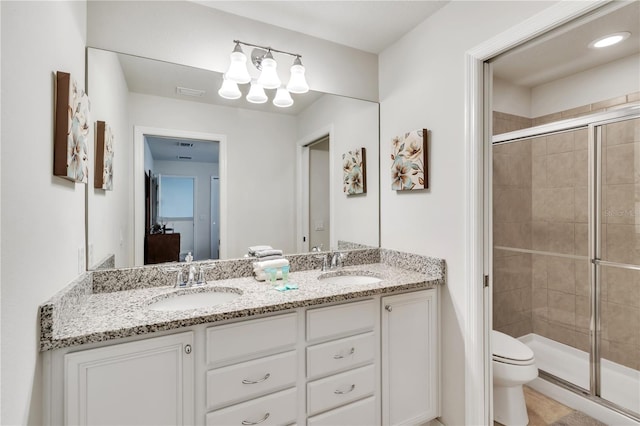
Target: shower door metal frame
[594,123]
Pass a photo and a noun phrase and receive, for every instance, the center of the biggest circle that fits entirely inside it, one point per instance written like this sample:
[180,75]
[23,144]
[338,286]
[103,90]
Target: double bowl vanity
[356,346]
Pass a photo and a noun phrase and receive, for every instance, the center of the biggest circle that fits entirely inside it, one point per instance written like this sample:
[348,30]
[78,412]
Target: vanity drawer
[249,379]
[359,413]
[250,339]
[348,318]
[336,355]
[276,409]
[340,389]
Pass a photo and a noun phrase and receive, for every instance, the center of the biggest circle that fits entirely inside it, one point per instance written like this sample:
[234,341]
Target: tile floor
[544,411]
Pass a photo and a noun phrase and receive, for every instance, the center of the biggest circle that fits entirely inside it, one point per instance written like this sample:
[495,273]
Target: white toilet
[513,366]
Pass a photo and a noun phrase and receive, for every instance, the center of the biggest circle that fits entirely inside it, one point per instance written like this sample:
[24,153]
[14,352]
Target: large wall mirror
[193,172]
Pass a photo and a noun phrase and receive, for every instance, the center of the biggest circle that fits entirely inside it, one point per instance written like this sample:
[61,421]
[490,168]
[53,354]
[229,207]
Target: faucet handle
[325,261]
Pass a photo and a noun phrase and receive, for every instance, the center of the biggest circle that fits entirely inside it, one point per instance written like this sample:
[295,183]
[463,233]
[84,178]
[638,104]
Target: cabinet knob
[187,349]
[388,308]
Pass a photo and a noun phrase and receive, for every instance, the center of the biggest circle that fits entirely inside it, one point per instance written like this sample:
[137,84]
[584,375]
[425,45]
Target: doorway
[319,201]
[182,154]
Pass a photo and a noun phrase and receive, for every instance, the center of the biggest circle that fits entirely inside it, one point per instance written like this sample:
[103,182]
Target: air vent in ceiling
[185,145]
[182,157]
[190,92]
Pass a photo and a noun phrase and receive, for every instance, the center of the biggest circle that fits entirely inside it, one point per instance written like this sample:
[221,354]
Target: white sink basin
[203,299]
[349,279]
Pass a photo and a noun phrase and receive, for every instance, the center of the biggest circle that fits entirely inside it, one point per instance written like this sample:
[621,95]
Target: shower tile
[620,164]
[538,271]
[561,275]
[583,341]
[623,132]
[512,273]
[583,284]
[562,334]
[539,146]
[549,118]
[561,170]
[576,112]
[582,239]
[581,208]
[539,235]
[511,204]
[560,205]
[562,308]
[622,353]
[633,97]
[609,103]
[515,235]
[581,167]
[539,303]
[560,238]
[623,286]
[623,323]
[517,329]
[621,242]
[583,314]
[539,172]
[580,139]
[560,142]
[619,204]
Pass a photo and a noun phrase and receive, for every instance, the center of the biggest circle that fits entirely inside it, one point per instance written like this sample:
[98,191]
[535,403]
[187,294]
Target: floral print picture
[71,159]
[103,178]
[409,156]
[354,172]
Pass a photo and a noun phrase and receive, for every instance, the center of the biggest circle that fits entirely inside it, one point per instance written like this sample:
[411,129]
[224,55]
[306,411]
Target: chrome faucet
[336,260]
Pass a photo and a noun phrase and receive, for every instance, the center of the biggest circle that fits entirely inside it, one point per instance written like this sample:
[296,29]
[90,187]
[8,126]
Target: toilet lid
[507,348]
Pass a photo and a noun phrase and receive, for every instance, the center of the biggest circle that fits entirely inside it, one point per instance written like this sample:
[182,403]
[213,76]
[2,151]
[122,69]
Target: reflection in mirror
[255,169]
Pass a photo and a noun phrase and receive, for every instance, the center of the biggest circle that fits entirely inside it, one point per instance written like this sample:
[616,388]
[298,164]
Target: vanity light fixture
[609,40]
[262,58]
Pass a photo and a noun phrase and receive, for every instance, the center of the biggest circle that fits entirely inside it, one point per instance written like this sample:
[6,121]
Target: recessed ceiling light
[609,40]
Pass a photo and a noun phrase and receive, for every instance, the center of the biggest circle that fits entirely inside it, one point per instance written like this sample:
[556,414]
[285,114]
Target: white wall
[596,84]
[422,84]
[260,165]
[510,98]
[354,124]
[192,34]
[43,216]
[202,216]
[109,229]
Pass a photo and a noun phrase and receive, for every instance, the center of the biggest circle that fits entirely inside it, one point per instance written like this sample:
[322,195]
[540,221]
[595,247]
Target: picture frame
[409,167]
[354,167]
[72,107]
[103,177]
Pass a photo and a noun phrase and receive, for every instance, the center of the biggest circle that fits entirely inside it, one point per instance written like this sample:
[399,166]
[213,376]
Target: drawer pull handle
[248,423]
[340,392]
[339,356]
[253,382]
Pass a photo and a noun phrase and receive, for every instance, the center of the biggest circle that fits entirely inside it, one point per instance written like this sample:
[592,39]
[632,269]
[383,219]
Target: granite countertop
[97,317]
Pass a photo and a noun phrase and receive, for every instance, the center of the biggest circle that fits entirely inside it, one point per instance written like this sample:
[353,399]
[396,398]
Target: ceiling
[371,26]
[172,149]
[565,51]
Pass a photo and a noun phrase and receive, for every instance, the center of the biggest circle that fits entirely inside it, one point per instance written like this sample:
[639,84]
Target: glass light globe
[229,89]
[283,98]
[238,67]
[256,94]
[297,82]
[269,76]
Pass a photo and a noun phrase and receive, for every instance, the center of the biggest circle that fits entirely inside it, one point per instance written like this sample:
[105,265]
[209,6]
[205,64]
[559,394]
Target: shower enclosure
[566,251]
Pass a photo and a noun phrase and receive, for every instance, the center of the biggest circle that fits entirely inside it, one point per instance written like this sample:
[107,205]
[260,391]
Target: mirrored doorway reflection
[181,215]
[319,200]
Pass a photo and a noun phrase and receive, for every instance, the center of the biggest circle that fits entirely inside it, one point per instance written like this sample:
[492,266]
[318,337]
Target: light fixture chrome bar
[268,49]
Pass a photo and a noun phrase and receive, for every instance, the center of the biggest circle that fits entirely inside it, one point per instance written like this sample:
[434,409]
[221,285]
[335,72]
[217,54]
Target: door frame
[138,181]
[302,185]
[477,327]
[211,215]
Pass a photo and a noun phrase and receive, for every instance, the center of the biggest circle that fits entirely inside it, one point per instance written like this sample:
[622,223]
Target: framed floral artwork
[103,178]
[354,167]
[70,158]
[409,157]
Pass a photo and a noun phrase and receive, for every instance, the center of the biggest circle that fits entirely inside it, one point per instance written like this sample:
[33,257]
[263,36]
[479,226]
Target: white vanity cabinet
[371,361]
[410,358]
[144,382]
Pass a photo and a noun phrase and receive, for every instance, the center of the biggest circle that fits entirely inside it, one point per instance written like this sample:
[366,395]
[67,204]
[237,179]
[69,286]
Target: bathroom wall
[42,215]
[422,84]
[109,230]
[249,164]
[191,34]
[350,120]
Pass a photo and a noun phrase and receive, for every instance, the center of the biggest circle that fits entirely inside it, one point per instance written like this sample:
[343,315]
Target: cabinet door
[409,358]
[148,382]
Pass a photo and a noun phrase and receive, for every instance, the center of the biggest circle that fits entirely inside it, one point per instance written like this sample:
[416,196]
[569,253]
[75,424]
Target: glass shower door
[618,262]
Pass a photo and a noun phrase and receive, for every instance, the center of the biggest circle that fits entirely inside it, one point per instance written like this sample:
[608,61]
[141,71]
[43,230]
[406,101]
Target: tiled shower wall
[540,203]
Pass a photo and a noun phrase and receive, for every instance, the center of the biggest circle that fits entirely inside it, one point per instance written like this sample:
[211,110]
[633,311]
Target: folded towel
[275,256]
[254,249]
[270,252]
[263,276]
[275,263]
